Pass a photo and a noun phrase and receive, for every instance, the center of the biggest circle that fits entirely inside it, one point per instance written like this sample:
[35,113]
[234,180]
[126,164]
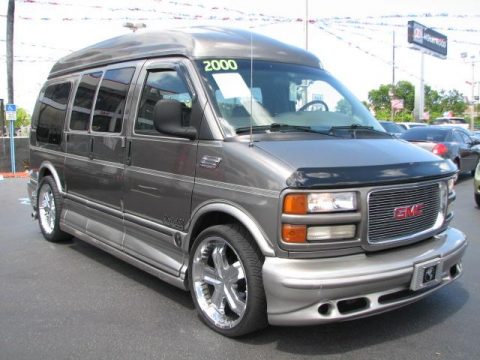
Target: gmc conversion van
[236,167]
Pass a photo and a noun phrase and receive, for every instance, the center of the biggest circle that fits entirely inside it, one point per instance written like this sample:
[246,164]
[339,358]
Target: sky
[353,39]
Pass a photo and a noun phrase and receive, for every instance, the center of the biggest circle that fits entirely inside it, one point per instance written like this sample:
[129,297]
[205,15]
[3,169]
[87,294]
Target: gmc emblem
[405,212]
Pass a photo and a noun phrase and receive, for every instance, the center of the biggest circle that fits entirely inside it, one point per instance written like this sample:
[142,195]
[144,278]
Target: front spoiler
[316,291]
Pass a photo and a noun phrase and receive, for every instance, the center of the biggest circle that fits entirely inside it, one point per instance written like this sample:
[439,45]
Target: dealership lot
[73,301]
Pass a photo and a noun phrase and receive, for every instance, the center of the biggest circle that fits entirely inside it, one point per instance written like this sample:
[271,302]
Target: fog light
[334,232]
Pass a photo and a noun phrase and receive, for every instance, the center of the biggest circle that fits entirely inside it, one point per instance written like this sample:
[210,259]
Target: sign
[11,112]
[397,104]
[426,38]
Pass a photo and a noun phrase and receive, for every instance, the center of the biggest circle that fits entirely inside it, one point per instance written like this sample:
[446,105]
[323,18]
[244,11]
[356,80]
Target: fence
[22,157]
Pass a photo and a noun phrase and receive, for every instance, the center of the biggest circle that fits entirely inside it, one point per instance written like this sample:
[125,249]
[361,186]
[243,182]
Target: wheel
[225,272]
[49,207]
[313,102]
[477,199]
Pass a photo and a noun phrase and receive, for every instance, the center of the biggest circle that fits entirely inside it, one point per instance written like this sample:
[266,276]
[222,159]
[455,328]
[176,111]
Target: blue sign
[11,107]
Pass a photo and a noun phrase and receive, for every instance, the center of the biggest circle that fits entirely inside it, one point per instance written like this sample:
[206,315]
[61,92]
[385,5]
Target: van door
[96,148]
[159,175]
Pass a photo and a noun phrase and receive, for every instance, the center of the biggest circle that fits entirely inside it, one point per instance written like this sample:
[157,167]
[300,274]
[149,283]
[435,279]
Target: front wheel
[225,272]
[49,210]
[477,200]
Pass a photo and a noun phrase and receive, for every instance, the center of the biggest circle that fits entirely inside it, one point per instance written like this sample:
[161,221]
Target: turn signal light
[295,204]
[294,233]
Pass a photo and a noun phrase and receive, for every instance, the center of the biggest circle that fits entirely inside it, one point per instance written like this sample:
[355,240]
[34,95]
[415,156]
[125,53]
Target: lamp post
[471,60]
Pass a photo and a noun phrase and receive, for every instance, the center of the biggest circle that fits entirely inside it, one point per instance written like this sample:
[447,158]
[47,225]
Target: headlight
[303,203]
[331,202]
[451,184]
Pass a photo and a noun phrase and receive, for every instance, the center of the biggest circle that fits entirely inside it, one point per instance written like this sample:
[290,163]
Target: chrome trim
[439,222]
[163,174]
[210,162]
[94,205]
[239,188]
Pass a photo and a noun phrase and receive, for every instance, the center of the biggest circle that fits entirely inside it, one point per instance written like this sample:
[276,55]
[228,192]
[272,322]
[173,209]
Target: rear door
[96,151]
[468,157]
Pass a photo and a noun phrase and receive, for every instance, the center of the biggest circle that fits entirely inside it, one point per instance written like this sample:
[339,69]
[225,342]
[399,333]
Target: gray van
[234,166]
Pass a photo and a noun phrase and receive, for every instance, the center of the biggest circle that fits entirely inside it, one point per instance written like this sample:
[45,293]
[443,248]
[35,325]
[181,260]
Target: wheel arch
[47,169]
[221,213]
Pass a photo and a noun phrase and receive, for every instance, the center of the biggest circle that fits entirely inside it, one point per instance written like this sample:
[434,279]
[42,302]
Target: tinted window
[51,115]
[82,106]
[426,134]
[159,85]
[110,105]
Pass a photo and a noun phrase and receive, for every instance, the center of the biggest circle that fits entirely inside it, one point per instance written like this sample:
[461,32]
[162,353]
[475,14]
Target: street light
[134,27]
[472,60]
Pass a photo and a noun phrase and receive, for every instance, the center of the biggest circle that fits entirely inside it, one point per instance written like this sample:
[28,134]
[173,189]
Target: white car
[409,125]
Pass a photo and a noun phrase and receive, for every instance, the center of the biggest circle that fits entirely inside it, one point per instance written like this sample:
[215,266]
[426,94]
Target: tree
[23,118]
[435,102]
[453,100]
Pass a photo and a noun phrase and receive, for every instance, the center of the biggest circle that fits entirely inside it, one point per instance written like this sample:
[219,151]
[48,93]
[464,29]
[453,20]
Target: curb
[10,175]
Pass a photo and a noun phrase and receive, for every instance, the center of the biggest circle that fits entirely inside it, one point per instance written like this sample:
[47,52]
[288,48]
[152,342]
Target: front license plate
[426,274]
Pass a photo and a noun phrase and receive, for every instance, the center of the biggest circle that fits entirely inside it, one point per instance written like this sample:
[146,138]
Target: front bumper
[315,291]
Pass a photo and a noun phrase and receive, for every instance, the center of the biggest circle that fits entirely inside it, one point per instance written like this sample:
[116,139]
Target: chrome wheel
[219,283]
[46,209]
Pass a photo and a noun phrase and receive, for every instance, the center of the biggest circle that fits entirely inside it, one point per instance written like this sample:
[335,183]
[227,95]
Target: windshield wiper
[355,127]
[281,127]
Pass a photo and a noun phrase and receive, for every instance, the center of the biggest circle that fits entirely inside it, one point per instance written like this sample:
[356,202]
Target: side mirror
[168,119]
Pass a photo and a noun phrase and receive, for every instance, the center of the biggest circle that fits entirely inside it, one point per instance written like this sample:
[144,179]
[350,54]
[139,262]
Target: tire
[225,280]
[49,205]
[477,200]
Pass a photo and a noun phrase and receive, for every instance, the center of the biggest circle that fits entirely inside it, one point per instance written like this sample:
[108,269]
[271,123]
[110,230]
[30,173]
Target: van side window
[51,115]
[82,106]
[159,85]
[110,105]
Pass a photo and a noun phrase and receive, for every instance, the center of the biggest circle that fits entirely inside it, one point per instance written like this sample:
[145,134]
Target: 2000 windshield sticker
[218,65]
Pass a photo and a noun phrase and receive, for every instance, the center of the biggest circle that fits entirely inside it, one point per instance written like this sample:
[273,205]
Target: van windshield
[285,95]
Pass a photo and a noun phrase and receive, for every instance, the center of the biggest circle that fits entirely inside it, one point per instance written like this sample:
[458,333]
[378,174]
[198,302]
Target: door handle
[91,149]
[128,161]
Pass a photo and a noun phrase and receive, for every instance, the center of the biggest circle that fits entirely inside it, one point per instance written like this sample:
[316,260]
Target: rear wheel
[225,273]
[477,199]
[49,210]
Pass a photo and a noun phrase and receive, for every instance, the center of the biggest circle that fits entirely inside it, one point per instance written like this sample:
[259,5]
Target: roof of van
[194,42]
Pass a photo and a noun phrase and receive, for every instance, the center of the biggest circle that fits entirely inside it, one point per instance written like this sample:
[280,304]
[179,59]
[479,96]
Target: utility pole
[10,20]
[392,114]
[11,100]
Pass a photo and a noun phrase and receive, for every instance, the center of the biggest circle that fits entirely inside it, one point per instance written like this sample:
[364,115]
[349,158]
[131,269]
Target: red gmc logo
[405,212]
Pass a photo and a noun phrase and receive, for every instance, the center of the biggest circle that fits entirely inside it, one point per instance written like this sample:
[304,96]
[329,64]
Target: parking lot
[73,301]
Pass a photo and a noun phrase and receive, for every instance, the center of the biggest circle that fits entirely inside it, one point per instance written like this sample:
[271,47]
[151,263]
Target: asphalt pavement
[73,301]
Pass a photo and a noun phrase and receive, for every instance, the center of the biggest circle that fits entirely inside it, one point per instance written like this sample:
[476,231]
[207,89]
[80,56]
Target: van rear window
[52,111]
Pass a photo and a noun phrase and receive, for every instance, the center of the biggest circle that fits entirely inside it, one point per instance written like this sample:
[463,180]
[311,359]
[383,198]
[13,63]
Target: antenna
[251,88]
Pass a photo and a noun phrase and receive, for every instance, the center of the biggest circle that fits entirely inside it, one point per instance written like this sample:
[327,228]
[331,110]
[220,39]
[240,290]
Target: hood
[353,162]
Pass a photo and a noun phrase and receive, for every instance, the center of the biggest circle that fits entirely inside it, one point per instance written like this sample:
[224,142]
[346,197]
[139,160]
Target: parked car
[409,125]
[449,142]
[454,121]
[221,162]
[392,128]
[476,185]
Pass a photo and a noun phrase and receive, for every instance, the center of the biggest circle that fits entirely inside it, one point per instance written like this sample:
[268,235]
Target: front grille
[382,224]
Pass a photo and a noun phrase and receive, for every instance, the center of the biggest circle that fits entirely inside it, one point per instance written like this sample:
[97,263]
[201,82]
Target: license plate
[426,274]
